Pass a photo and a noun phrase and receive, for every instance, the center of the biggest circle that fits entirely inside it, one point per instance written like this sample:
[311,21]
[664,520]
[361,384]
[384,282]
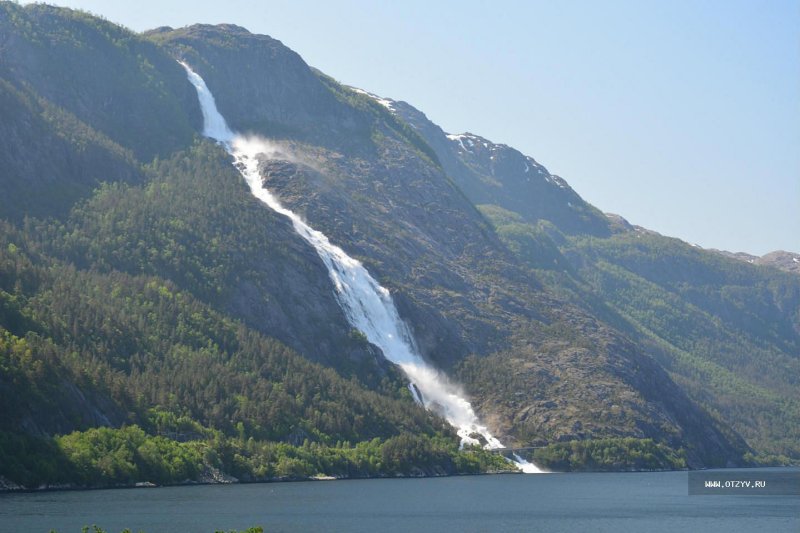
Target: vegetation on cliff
[157,323]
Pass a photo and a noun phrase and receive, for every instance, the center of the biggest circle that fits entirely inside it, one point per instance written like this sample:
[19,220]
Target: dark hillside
[110,78]
[142,285]
[196,224]
[458,285]
[49,158]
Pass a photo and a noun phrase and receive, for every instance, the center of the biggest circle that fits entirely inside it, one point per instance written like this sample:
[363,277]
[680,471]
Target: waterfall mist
[367,305]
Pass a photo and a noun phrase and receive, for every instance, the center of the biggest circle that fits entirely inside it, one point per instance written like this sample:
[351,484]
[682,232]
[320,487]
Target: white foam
[367,305]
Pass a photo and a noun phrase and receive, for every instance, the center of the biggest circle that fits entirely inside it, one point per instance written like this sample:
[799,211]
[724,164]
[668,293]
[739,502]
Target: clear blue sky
[682,116]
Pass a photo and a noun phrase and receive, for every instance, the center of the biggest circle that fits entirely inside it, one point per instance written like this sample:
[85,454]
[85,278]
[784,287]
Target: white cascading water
[367,305]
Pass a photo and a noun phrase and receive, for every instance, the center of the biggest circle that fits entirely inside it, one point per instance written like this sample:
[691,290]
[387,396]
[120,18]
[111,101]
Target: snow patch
[388,103]
[460,140]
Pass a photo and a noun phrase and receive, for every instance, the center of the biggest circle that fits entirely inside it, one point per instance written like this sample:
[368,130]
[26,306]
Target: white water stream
[368,306]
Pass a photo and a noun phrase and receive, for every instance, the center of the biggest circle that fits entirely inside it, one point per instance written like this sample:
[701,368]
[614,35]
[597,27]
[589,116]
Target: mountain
[786,261]
[148,301]
[496,174]
[727,333]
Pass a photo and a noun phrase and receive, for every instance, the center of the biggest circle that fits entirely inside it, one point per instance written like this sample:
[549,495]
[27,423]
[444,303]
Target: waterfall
[367,305]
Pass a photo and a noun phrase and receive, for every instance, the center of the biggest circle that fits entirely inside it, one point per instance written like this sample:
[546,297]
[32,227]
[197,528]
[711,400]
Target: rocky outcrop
[215,476]
[6,485]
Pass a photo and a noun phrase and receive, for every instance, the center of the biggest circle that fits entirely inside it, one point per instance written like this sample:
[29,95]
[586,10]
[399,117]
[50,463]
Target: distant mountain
[496,174]
[141,283]
[727,333]
[786,261]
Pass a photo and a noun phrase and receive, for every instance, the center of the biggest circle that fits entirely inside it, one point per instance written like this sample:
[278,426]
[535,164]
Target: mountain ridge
[520,289]
[780,259]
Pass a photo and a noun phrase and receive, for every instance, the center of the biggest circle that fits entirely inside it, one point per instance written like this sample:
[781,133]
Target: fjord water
[620,502]
[367,305]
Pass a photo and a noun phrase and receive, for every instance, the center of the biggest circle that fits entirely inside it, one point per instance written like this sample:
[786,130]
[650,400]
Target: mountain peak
[780,259]
[203,29]
[495,173]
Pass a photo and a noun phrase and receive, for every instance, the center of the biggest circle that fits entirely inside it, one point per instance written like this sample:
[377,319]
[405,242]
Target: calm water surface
[555,502]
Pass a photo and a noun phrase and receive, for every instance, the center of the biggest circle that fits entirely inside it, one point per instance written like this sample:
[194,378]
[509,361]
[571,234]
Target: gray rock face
[214,476]
[411,219]
[44,168]
[263,86]
[497,174]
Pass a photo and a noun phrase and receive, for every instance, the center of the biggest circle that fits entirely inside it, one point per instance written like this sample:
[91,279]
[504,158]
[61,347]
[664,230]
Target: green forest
[198,389]
[159,325]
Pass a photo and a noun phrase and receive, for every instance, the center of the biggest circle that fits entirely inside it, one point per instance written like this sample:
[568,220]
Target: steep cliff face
[497,174]
[389,201]
[507,278]
[84,101]
[277,94]
[376,191]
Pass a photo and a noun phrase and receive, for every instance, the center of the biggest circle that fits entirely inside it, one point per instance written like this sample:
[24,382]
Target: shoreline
[9,487]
